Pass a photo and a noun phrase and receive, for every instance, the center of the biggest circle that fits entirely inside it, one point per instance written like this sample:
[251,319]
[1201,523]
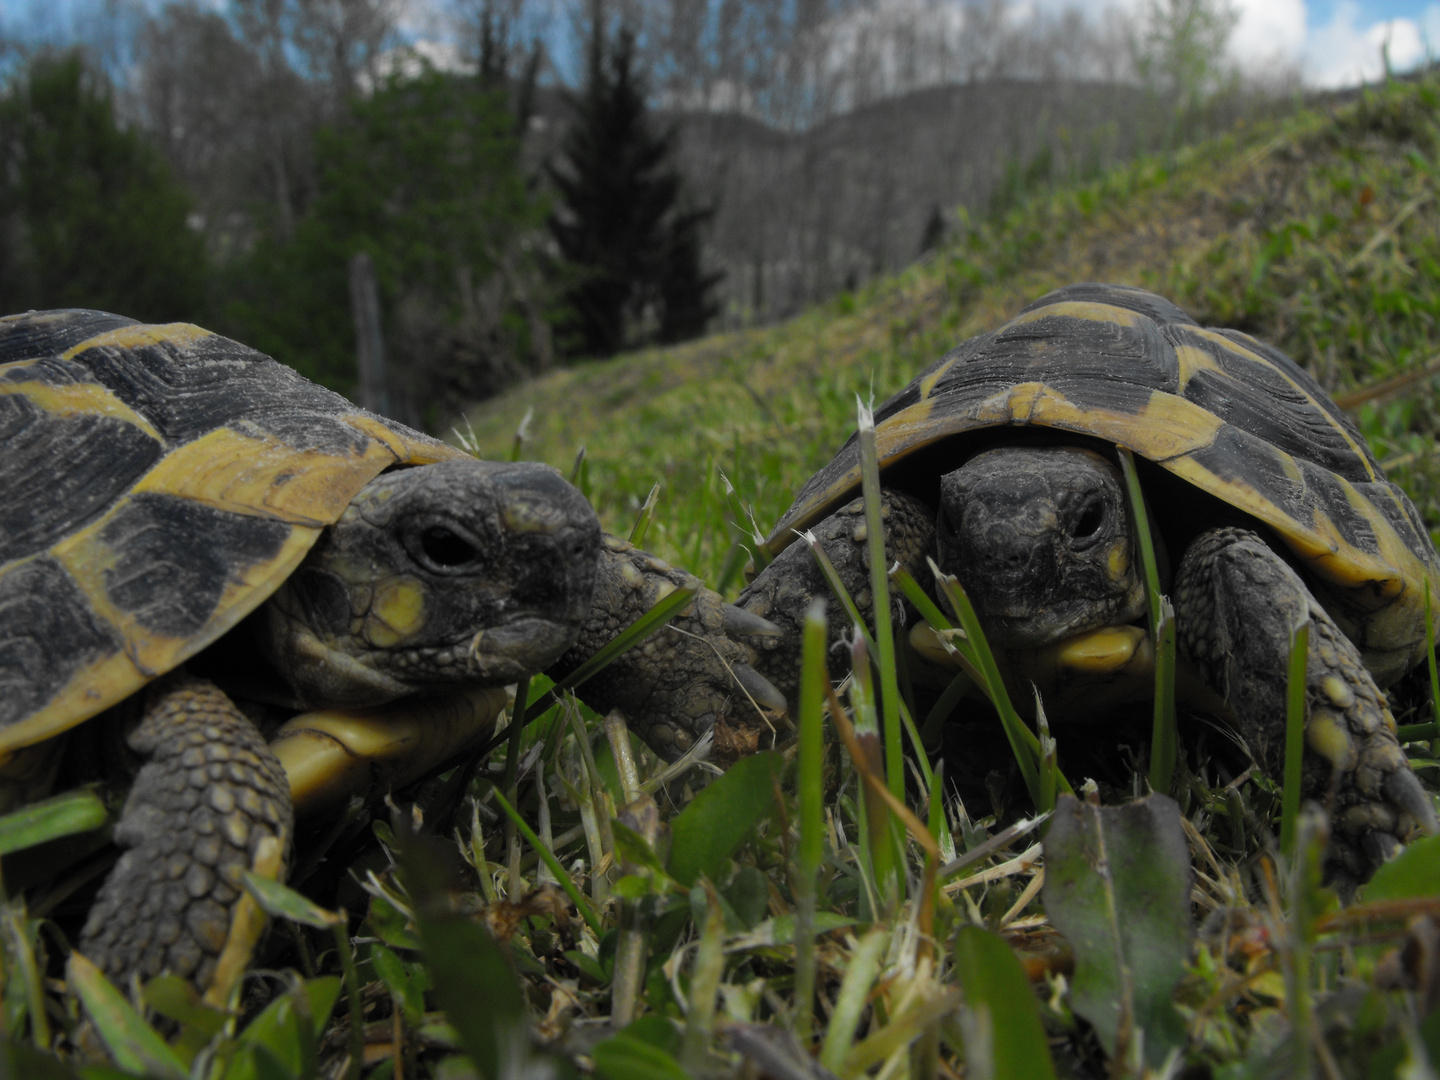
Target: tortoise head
[459,573]
[1041,539]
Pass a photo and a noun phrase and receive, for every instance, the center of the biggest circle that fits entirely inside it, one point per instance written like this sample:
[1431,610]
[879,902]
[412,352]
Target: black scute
[48,632]
[1256,396]
[59,473]
[1094,364]
[1121,296]
[174,558]
[186,391]
[1303,377]
[50,333]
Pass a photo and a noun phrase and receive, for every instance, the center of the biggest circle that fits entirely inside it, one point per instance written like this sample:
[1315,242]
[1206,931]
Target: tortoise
[192,534]
[999,461]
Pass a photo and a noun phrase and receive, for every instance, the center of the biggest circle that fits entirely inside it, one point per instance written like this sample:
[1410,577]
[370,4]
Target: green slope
[1319,233]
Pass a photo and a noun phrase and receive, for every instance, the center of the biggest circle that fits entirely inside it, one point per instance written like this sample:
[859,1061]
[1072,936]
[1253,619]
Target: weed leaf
[1117,885]
[720,817]
[133,1044]
[998,993]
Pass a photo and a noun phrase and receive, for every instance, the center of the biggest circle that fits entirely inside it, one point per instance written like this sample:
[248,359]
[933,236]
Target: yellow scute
[137,337]
[257,473]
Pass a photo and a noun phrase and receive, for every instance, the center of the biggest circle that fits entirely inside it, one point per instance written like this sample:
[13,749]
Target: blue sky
[1331,42]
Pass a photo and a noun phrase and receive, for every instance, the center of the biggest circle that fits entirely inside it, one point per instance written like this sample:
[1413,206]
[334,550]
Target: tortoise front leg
[689,677]
[199,813]
[1237,603]
[783,592]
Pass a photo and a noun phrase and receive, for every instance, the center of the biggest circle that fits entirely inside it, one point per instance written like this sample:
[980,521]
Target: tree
[90,215]
[425,177]
[631,248]
[1179,51]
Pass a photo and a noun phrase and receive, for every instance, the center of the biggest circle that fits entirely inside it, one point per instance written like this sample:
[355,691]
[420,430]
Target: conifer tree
[90,215]
[631,249]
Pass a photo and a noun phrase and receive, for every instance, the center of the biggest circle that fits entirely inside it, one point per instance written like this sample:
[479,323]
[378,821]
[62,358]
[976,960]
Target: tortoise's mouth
[517,648]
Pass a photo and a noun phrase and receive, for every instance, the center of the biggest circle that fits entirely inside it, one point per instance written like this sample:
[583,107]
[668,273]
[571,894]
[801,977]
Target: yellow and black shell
[1217,408]
[158,483]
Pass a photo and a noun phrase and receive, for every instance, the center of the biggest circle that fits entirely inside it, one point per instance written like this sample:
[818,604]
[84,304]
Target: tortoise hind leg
[197,815]
[1236,602]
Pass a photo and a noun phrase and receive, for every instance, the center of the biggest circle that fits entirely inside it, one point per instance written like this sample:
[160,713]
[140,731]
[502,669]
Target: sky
[1334,43]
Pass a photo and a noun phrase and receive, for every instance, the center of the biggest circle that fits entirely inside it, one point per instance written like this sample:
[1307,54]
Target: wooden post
[369,344]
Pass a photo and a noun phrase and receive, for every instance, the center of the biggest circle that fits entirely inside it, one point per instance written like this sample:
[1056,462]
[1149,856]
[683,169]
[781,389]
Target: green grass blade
[1434,676]
[666,609]
[811,797]
[853,997]
[1023,743]
[579,464]
[522,432]
[642,520]
[1164,740]
[73,812]
[880,602]
[582,905]
[133,1044]
[837,587]
[1294,734]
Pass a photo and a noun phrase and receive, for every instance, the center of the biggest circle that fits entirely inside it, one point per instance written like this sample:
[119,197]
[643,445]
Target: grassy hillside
[1320,234]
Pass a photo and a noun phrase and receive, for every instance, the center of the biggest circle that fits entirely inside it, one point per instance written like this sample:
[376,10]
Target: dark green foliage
[632,252]
[425,176]
[90,215]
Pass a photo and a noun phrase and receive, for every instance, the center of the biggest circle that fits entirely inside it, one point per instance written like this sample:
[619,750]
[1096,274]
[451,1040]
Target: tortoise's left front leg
[1237,603]
[211,802]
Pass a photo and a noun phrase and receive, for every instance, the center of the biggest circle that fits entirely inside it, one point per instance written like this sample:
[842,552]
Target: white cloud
[1343,54]
[1267,32]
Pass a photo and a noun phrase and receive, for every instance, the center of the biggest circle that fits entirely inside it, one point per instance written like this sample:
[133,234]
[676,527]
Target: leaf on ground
[1412,874]
[998,995]
[277,1038]
[1117,885]
[283,902]
[643,1051]
[717,820]
[133,1044]
[472,979]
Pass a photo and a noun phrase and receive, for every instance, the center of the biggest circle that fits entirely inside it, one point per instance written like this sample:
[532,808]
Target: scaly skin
[783,592]
[198,810]
[1236,604]
[1236,600]
[688,677]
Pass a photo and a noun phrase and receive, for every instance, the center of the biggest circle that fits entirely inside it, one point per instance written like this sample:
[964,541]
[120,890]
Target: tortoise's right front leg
[1236,604]
[783,592]
[200,812]
[690,676]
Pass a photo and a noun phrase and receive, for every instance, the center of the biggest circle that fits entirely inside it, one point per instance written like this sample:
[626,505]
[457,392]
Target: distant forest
[775,155]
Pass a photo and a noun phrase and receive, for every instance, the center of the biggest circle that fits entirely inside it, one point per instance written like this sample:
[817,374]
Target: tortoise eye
[444,548]
[1091,518]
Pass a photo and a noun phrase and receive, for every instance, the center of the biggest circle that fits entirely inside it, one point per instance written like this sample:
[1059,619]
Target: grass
[753,921]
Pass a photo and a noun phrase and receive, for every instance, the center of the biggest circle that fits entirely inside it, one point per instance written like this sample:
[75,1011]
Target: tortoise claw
[760,689]
[1404,790]
[739,622]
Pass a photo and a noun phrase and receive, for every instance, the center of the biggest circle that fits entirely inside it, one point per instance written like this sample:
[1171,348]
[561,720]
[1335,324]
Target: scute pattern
[48,633]
[50,333]
[60,472]
[195,384]
[173,559]
[159,482]
[1230,414]
[1281,406]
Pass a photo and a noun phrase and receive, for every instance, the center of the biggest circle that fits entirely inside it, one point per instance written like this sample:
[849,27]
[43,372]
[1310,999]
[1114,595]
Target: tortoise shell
[1229,414]
[158,483]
